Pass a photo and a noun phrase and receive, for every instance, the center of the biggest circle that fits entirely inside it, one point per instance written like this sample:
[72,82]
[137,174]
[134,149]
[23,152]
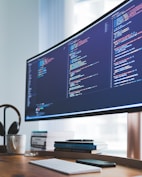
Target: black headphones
[15,126]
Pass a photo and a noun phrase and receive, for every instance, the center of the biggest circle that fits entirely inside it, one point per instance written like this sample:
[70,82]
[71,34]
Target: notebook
[65,166]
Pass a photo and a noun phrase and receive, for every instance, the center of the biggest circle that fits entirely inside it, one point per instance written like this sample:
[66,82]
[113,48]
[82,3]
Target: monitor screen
[95,71]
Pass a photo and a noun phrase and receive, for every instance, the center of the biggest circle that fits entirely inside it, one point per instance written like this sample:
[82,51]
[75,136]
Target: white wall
[23,34]
[55,22]
[18,41]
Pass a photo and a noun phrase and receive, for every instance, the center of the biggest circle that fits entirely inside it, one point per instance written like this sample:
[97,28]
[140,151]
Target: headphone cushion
[14,128]
[2,131]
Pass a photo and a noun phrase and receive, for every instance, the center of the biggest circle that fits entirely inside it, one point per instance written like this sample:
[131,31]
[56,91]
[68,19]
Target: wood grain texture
[18,166]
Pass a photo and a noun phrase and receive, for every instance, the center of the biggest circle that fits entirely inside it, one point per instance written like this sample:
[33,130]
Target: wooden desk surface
[18,166]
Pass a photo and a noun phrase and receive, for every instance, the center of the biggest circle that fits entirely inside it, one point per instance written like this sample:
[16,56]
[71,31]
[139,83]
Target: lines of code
[42,66]
[127,46]
[81,74]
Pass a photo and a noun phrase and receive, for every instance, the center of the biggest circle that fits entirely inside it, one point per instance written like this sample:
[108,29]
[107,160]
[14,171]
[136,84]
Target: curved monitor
[95,71]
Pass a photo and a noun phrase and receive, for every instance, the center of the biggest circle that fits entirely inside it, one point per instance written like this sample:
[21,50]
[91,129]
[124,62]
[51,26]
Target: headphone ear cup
[2,131]
[14,128]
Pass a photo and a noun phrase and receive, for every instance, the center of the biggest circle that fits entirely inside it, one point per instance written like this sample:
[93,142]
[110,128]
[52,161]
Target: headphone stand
[13,129]
[3,149]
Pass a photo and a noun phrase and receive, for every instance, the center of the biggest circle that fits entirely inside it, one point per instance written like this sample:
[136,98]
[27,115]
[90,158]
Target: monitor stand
[134,131]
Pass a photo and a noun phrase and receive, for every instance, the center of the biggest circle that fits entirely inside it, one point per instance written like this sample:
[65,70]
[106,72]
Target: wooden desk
[18,166]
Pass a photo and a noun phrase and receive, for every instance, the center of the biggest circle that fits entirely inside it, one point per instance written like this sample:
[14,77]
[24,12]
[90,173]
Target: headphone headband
[11,106]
